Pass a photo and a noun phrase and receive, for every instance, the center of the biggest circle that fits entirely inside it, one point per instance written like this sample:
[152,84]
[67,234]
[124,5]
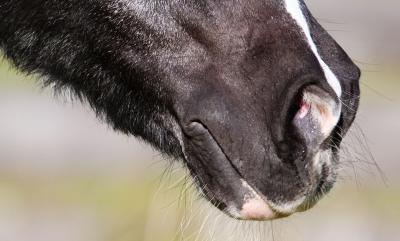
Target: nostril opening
[297,105]
[309,120]
[303,108]
[314,115]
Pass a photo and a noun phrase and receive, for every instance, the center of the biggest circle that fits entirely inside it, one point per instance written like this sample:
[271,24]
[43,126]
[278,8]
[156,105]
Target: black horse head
[253,95]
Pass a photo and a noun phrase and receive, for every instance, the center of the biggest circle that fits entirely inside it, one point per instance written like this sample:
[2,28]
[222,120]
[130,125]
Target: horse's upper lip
[228,191]
[221,182]
[206,159]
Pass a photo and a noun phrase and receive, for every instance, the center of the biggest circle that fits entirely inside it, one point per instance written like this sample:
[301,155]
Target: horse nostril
[303,108]
[317,113]
[312,117]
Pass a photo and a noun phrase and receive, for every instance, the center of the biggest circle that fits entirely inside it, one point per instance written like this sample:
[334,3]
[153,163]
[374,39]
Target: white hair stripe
[294,9]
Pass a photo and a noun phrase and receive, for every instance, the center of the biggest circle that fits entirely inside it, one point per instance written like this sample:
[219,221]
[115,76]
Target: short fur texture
[212,82]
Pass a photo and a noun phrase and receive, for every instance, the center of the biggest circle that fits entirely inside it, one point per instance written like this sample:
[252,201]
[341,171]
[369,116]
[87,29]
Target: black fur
[213,82]
[98,50]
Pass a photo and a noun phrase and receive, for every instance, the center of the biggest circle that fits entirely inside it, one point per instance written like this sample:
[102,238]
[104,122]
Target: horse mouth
[222,184]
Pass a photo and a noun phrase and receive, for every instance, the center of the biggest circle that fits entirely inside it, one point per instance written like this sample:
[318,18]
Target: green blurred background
[66,176]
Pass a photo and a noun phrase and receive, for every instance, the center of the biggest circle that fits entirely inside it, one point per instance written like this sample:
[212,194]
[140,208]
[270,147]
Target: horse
[254,97]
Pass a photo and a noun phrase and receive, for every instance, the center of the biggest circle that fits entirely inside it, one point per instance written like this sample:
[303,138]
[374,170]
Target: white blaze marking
[294,9]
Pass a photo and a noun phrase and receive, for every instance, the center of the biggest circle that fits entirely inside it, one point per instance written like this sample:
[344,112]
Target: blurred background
[64,175]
